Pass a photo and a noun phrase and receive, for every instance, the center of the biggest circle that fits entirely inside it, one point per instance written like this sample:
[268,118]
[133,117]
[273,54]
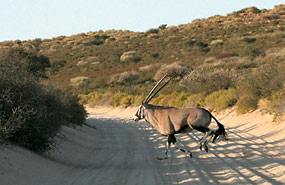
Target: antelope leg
[167,149]
[209,138]
[180,146]
[204,142]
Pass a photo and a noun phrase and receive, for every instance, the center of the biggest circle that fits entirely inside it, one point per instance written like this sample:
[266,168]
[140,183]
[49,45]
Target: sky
[30,19]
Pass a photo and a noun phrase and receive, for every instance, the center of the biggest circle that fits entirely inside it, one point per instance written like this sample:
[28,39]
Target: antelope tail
[221,130]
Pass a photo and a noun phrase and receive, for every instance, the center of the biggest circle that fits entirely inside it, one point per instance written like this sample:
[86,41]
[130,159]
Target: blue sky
[30,19]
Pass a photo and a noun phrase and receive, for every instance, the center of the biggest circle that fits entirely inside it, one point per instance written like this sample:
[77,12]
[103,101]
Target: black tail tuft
[220,131]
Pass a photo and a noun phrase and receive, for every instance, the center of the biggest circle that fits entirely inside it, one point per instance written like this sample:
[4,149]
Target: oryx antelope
[169,121]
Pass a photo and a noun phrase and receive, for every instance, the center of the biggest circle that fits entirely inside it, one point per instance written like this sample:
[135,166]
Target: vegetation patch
[243,51]
[32,114]
[220,100]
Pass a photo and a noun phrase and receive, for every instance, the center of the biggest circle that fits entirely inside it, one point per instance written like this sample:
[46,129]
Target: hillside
[225,48]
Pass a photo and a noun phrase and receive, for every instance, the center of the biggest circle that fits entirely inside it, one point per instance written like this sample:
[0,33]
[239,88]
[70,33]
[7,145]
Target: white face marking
[138,116]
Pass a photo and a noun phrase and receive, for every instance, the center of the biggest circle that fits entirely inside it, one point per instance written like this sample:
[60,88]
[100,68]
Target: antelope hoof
[188,153]
[206,148]
[161,158]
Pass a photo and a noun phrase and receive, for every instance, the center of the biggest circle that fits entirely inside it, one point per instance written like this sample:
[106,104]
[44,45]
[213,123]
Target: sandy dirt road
[123,152]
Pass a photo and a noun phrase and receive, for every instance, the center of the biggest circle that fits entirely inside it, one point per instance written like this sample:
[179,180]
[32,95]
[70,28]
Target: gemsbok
[169,121]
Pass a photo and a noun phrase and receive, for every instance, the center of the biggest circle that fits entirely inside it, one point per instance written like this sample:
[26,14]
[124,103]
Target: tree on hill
[34,64]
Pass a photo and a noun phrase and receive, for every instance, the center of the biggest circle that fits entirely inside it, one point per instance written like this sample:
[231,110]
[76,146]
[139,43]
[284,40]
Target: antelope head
[140,112]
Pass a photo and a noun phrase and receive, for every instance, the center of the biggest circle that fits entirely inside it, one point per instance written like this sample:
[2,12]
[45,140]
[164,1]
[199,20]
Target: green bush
[31,114]
[175,99]
[249,92]
[122,99]
[196,100]
[246,104]
[116,99]
[152,31]
[127,101]
[56,65]
[270,78]
[180,99]
[249,39]
[139,99]
[34,64]
[277,104]
[252,52]
[93,98]
[222,99]
[262,83]
[74,112]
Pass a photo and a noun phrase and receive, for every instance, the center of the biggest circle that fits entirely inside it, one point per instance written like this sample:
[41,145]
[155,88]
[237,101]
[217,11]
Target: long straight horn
[153,89]
[159,90]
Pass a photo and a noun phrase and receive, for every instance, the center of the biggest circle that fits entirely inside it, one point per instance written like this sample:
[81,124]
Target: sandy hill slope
[121,151]
[89,60]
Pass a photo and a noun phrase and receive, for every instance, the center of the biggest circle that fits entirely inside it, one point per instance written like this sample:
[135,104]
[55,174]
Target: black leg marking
[206,148]
[182,129]
[201,129]
[171,139]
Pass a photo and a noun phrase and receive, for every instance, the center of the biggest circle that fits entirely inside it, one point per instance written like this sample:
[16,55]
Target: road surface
[123,152]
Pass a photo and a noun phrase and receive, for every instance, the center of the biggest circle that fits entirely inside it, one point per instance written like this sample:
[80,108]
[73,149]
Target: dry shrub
[217,42]
[277,104]
[176,69]
[210,60]
[147,67]
[207,80]
[130,56]
[80,81]
[276,53]
[123,78]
